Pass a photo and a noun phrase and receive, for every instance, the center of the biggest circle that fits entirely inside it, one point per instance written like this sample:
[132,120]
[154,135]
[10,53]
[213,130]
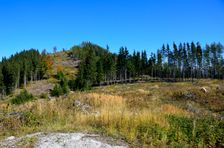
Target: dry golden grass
[117,110]
[171,109]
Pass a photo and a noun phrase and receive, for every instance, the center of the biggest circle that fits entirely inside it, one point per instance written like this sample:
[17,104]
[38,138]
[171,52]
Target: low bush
[57,91]
[151,133]
[60,75]
[72,84]
[43,96]
[61,88]
[23,97]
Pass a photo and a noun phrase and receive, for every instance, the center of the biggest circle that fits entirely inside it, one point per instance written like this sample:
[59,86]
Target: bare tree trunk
[24,78]
[125,75]
[31,76]
[18,78]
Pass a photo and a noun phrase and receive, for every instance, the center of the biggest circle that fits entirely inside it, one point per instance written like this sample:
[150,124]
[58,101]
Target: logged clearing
[141,114]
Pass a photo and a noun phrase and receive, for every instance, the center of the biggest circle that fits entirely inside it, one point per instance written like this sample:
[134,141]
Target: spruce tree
[9,77]
[144,62]
[87,71]
[1,83]
[199,60]
[207,61]
[159,63]
[100,71]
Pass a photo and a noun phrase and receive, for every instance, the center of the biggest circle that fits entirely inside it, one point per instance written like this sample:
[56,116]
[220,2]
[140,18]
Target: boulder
[204,90]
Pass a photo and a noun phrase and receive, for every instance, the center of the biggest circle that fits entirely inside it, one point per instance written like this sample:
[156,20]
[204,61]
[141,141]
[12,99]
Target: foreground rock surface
[60,140]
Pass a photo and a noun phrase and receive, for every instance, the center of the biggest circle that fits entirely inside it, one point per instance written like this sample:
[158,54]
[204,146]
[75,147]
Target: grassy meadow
[141,114]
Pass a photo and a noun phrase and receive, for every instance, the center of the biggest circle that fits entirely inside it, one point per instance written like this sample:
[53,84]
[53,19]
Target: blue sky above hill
[143,24]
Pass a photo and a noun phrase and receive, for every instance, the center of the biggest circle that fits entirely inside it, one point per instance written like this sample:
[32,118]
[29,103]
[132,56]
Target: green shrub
[180,129]
[23,97]
[60,75]
[64,86]
[210,131]
[57,91]
[43,96]
[151,133]
[72,84]
[61,88]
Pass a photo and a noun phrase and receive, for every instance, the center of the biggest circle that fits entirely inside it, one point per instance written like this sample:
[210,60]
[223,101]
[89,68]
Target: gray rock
[189,95]
[61,140]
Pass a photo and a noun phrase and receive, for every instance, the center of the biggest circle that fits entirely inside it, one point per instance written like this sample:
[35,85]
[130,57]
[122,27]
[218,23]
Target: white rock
[204,90]
[11,138]
[60,140]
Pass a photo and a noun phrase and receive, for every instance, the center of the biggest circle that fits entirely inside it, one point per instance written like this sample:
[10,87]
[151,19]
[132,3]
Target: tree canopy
[20,68]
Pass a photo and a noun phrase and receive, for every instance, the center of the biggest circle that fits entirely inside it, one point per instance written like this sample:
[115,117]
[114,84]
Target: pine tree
[9,77]
[144,62]
[90,68]
[122,63]
[138,64]
[152,63]
[207,61]
[80,83]
[1,83]
[175,59]
[189,58]
[130,67]
[193,59]
[87,71]
[159,63]
[109,67]
[199,60]
[169,60]
[100,71]
[185,61]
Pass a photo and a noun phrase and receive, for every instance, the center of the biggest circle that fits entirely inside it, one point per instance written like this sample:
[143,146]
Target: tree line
[20,68]
[99,66]
[174,62]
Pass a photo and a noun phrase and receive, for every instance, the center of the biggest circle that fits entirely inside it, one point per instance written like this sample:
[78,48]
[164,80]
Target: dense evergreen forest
[20,68]
[186,61]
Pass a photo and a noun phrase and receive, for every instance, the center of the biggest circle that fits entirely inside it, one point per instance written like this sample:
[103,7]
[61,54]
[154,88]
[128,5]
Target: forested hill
[98,65]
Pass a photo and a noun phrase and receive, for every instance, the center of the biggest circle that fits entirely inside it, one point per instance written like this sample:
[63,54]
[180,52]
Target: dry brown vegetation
[143,114]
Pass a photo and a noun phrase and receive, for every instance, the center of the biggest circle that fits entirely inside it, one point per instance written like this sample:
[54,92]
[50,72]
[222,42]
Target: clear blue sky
[137,24]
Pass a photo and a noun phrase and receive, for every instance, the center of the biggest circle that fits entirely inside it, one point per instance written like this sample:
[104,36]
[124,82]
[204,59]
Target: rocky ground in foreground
[58,140]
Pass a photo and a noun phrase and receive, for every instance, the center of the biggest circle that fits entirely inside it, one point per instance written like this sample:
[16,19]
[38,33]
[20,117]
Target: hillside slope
[142,114]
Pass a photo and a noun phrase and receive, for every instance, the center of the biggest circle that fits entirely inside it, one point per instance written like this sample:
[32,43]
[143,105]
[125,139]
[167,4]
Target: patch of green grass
[202,131]
[30,119]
